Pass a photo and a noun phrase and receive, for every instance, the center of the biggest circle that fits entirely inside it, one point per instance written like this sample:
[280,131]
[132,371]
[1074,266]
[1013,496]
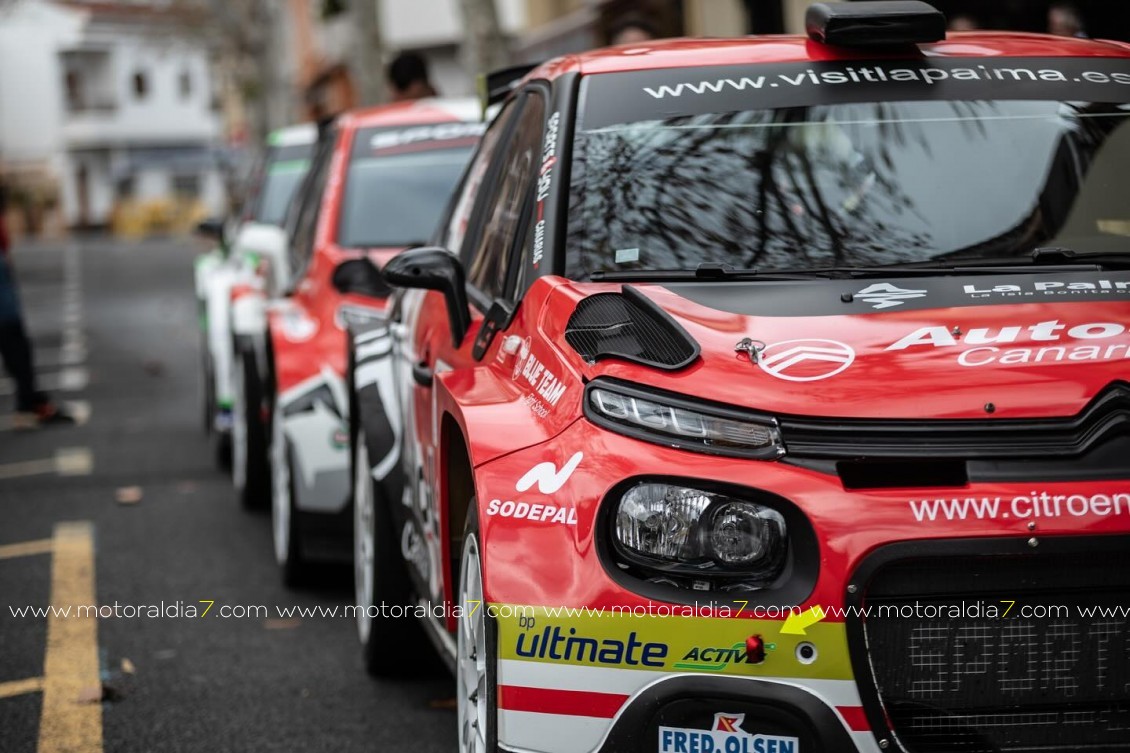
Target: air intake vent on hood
[629,325]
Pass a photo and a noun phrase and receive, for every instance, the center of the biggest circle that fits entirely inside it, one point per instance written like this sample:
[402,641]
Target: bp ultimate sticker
[726,736]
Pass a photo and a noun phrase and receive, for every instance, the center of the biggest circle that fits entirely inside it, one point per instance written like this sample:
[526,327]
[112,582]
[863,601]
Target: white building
[433,28]
[111,101]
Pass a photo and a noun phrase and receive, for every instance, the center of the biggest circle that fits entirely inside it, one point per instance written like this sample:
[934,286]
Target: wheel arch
[458,489]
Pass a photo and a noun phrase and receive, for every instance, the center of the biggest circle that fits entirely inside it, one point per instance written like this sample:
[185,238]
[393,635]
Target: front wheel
[250,471]
[207,386]
[476,652]
[380,578]
[284,527]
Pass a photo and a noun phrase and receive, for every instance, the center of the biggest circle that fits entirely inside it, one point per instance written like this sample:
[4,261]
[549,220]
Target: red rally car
[769,395]
[378,182]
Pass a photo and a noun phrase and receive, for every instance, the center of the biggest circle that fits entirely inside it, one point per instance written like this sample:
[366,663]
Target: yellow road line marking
[68,724]
[27,468]
[68,461]
[21,687]
[25,548]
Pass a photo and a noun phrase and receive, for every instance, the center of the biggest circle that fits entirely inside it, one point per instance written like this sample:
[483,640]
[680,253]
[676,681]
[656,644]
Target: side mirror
[431,268]
[267,242]
[212,228]
[360,277]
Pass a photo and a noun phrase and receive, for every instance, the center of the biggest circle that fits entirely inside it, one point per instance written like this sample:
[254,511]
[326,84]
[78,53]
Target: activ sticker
[726,736]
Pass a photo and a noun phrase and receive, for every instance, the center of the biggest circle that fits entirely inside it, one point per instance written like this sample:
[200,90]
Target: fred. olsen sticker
[726,736]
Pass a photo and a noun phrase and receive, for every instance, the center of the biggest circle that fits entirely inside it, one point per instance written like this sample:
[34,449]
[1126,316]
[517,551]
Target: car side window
[500,211]
[458,223]
[306,219]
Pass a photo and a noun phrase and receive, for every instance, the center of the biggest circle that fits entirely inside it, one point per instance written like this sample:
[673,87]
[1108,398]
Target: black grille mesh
[967,681]
[628,325]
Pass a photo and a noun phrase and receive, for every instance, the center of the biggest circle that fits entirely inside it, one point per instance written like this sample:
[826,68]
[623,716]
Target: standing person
[32,406]
[1064,20]
[408,78]
[632,30]
[963,22]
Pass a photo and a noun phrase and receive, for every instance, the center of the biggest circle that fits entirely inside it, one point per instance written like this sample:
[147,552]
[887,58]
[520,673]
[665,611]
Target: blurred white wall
[31,102]
[429,23]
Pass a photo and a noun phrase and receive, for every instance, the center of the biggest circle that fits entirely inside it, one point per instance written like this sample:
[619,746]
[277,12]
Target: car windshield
[279,184]
[396,200]
[848,184]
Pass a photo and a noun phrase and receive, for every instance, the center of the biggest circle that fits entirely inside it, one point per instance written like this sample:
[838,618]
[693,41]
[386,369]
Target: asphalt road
[115,333]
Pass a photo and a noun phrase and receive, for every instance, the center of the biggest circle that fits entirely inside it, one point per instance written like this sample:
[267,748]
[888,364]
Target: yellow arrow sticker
[798,624]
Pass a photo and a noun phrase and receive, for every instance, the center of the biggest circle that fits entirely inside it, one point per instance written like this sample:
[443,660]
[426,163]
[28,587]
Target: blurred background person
[964,22]
[32,406]
[1064,20]
[408,78]
[632,30]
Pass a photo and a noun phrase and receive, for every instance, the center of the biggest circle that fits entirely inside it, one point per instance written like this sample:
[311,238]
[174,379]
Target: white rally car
[244,247]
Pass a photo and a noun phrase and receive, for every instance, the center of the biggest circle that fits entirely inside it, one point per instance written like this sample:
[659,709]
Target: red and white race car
[769,395]
[377,183]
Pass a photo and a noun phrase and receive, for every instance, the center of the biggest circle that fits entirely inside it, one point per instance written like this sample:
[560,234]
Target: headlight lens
[700,539]
[349,316]
[683,424]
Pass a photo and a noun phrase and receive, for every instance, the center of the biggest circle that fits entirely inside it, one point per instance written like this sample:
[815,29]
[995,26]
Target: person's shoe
[50,413]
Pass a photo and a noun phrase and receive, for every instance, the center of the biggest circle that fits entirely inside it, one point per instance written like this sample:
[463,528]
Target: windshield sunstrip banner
[838,297]
[614,98]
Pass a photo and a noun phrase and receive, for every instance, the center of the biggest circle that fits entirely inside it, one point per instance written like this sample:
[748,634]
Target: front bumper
[556,700]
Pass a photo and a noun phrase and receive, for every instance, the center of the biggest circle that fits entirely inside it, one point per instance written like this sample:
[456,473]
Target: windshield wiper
[1058,255]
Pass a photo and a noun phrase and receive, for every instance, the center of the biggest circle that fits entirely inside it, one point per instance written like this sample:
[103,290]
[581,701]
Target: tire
[476,658]
[207,387]
[390,647]
[251,473]
[221,449]
[284,526]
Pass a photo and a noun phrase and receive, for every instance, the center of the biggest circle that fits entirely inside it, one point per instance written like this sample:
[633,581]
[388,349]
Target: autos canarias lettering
[985,340]
[558,645]
[532,511]
[539,240]
[545,182]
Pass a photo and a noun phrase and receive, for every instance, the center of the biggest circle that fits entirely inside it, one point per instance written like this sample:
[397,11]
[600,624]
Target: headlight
[699,539]
[678,422]
[349,316]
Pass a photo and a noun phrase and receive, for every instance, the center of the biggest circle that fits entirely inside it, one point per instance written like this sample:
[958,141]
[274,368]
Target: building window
[186,186]
[185,82]
[74,91]
[140,85]
[125,188]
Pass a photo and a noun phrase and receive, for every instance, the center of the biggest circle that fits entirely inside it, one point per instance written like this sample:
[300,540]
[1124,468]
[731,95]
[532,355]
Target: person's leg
[15,349]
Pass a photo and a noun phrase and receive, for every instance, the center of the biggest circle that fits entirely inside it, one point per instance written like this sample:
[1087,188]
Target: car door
[485,222]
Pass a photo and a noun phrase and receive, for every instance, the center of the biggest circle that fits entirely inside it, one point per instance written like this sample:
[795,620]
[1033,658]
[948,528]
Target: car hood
[1009,346]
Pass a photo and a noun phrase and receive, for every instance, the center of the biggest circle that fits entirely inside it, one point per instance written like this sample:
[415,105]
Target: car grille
[1105,418]
[939,672]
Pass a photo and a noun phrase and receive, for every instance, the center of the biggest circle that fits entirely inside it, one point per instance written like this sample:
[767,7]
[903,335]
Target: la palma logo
[884,295]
